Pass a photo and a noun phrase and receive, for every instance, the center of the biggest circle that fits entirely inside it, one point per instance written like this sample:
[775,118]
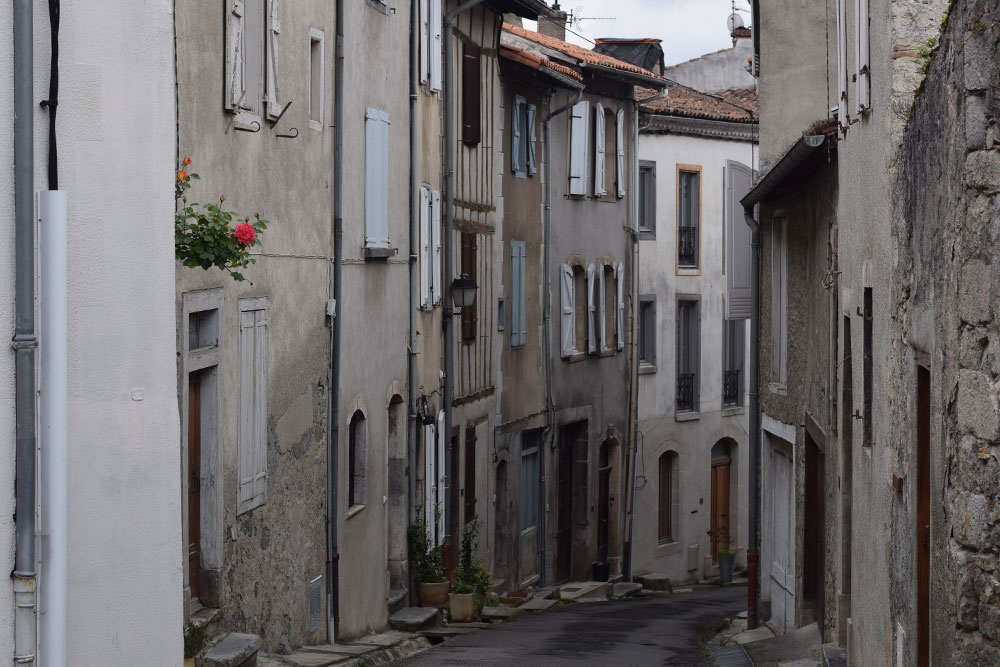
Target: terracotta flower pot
[433,595]
[463,607]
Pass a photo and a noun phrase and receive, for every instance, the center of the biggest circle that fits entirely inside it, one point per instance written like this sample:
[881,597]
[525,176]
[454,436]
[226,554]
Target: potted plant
[427,565]
[727,558]
[472,580]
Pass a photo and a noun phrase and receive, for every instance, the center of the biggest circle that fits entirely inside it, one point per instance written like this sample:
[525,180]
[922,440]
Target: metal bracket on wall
[289,135]
[254,127]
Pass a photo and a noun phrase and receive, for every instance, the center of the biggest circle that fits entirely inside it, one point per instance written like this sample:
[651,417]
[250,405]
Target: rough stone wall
[948,226]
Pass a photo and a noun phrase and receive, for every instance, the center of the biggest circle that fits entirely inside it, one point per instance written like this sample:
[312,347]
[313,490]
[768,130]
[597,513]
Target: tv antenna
[735,21]
[573,18]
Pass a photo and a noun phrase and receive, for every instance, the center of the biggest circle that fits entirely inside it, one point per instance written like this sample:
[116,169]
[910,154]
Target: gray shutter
[620,319]
[579,148]
[271,96]
[603,313]
[532,161]
[620,162]
[436,289]
[236,87]
[568,300]
[376,179]
[518,326]
[260,410]
[436,31]
[425,247]
[430,478]
[442,482]
[425,36]
[738,284]
[516,136]
[252,398]
[600,187]
[591,312]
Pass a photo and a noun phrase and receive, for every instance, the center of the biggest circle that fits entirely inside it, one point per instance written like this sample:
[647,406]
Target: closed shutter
[436,246]
[469,314]
[591,311]
[252,427]
[738,283]
[863,70]
[568,301]
[518,327]
[620,320]
[472,121]
[426,262]
[425,38]
[579,147]
[470,473]
[600,189]
[603,312]
[430,478]
[436,31]
[621,153]
[271,96]
[532,161]
[376,179]
[236,87]
[516,137]
[442,481]
[842,109]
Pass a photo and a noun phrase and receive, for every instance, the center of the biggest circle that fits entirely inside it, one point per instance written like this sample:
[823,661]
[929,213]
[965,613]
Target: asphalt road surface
[654,630]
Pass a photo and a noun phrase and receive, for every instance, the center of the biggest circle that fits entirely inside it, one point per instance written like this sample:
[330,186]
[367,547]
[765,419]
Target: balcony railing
[688,252]
[685,392]
[731,388]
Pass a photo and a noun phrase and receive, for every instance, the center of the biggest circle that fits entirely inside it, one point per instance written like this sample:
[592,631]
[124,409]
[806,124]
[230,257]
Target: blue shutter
[518,327]
[425,247]
[517,136]
[532,162]
[579,148]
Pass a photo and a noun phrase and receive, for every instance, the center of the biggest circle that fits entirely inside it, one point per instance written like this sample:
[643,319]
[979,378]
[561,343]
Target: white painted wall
[718,71]
[116,155]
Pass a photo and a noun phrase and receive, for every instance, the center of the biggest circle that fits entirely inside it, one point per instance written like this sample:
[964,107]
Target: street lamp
[463,291]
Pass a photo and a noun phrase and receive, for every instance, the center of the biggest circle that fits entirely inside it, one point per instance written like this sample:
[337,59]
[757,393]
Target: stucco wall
[718,71]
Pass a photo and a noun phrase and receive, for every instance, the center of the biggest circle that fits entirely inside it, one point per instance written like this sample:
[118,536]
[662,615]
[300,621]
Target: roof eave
[627,76]
[801,150]
[529,9]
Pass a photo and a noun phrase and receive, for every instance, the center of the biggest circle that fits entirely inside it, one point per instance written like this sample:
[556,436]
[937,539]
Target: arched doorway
[720,512]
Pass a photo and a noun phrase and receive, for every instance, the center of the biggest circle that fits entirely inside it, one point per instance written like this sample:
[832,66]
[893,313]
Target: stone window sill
[575,357]
[732,410]
[646,369]
[379,254]
[354,511]
[691,416]
[668,547]
[610,352]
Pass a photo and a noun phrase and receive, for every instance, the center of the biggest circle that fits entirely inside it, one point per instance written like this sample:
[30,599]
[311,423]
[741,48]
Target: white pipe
[54,505]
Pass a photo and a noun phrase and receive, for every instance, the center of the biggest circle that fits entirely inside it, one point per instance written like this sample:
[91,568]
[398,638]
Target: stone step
[445,633]
[411,619]
[581,590]
[626,589]
[235,650]
[654,581]
[538,604]
[501,614]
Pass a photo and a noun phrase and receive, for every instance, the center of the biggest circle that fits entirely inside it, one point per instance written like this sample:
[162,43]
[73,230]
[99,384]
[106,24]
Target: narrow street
[653,630]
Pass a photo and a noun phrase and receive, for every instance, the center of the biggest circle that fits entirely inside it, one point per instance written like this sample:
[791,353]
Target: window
[620,153]
[606,289]
[529,478]
[518,313]
[736,242]
[867,369]
[607,152]
[620,320]
[600,151]
[647,199]
[316,93]
[579,159]
[862,69]
[469,315]
[688,216]
[523,138]
[842,109]
[688,351]
[357,460]
[501,314]
[470,473]
[779,301]
[732,374]
[252,427]
[252,29]
[591,313]
[430,44]
[472,130]
[376,179]
[567,293]
[430,247]
[668,493]
[647,330]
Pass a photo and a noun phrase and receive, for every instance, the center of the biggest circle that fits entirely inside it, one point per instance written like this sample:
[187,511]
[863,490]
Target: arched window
[668,497]
[357,460]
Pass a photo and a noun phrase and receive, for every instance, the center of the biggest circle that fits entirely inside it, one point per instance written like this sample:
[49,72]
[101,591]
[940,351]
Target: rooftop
[734,106]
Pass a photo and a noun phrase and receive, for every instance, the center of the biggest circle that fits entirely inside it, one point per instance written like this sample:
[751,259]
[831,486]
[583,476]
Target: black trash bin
[600,571]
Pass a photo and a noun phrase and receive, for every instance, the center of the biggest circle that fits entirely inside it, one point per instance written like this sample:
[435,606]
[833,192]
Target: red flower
[187,161]
[245,233]
[181,175]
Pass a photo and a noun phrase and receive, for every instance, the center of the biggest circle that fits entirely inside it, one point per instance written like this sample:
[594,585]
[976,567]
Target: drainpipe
[24,342]
[333,310]
[634,449]
[414,252]
[449,269]
[547,320]
[752,547]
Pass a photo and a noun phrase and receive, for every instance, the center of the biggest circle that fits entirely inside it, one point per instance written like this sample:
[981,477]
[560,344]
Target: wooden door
[779,515]
[564,515]
[603,505]
[923,516]
[814,532]
[194,482]
[720,507]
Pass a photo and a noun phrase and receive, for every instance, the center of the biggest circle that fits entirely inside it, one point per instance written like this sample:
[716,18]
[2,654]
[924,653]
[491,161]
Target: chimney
[554,25]
[513,19]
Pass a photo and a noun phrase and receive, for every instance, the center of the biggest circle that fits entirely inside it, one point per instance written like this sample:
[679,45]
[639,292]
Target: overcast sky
[688,28]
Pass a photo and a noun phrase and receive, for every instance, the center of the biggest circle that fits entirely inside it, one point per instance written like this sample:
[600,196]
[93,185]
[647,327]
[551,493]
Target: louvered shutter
[600,189]
[603,313]
[518,330]
[738,283]
[236,87]
[271,96]
[425,37]
[516,137]
[861,61]
[621,153]
[579,148]
[376,179]
[522,331]
[532,162]
[591,311]
[426,261]
[436,31]
[442,481]
[568,301]
[260,410]
[842,109]
[430,478]
[252,426]
[620,320]
[436,246]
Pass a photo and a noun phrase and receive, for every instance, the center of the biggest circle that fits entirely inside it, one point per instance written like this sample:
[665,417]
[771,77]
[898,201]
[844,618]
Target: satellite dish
[734,21]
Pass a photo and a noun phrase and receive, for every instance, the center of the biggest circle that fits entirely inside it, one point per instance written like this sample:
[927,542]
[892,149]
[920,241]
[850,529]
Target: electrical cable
[52,102]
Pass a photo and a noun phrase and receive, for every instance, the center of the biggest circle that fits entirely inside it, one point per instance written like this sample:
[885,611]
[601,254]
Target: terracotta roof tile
[537,62]
[736,106]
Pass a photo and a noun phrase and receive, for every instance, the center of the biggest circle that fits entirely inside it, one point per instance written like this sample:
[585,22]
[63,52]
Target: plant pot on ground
[727,558]
[462,603]
[433,594]
[427,565]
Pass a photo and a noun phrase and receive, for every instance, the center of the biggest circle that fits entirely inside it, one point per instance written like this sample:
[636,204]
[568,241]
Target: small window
[501,314]
[688,216]
[203,329]
[357,460]
[688,350]
[647,199]
[581,301]
[472,130]
[647,330]
[469,314]
[732,378]
[608,307]
[779,301]
[316,93]
[668,493]
[529,478]
[867,368]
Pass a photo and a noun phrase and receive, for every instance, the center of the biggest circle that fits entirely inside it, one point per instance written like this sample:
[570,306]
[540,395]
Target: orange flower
[222,198]
[182,175]
[187,160]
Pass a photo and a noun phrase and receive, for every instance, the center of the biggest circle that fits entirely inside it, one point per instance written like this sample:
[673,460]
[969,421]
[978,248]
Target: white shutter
[436,31]
[621,153]
[600,189]
[436,289]
[260,410]
[516,132]
[430,478]
[442,482]
[620,321]
[271,96]
[425,247]
[425,36]
[591,312]
[568,301]
[738,280]
[236,87]
[252,425]
[376,179]
[863,77]
[579,147]
[532,161]
[842,63]
[601,300]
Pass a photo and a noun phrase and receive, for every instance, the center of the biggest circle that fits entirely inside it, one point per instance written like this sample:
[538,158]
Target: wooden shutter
[620,320]
[470,473]
[532,161]
[436,31]
[271,96]
[842,109]
[518,326]
[252,426]
[426,261]
[738,284]
[236,87]
[863,69]
[442,481]
[579,161]
[469,268]
[472,123]
[603,313]
[591,311]
[567,290]
[425,38]
[376,179]
[430,478]
[436,247]
[621,153]
[516,136]
[600,189]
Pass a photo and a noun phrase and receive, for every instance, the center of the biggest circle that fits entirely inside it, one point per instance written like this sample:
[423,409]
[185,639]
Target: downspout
[25,341]
[634,393]
[547,321]
[449,269]
[414,251]
[752,546]
[333,310]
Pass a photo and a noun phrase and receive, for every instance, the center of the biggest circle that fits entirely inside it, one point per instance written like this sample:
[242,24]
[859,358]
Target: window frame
[647,334]
[646,195]
[731,364]
[530,501]
[357,461]
[469,257]
[694,269]
[693,346]
[317,81]
[472,93]
[667,497]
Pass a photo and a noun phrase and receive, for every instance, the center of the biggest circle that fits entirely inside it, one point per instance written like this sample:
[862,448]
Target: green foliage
[195,638]
[482,578]
[462,588]
[426,559]
[472,574]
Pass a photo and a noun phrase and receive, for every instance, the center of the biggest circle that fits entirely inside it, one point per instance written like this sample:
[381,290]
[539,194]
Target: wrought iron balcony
[731,388]
[688,252]
[685,392]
